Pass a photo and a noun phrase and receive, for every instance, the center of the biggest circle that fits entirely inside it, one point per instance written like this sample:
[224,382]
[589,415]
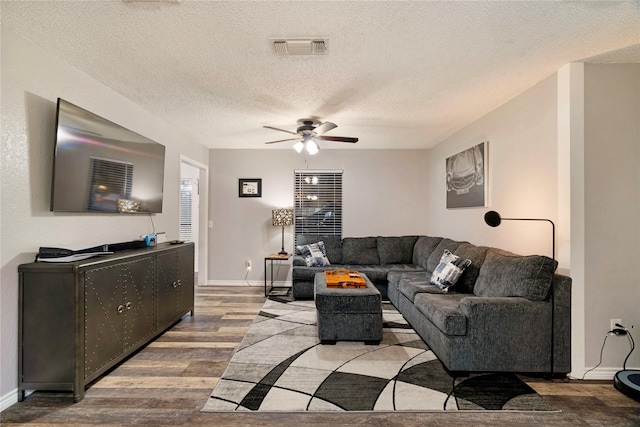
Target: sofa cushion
[477,255]
[298,260]
[443,311]
[410,272]
[396,250]
[412,287]
[313,254]
[360,250]
[509,275]
[308,273]
[449,270]
[332,245]
[422,249]
[434,258]
[375,273]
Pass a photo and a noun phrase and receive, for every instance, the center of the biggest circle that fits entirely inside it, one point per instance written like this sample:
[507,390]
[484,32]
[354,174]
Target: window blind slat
[318,203]
[186,194]
[110,180]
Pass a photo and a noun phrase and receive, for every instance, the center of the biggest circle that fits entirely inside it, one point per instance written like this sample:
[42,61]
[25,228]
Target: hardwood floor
[169,381]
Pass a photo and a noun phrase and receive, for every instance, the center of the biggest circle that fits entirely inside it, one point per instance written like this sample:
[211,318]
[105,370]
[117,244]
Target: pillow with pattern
[314,254]
[449,270]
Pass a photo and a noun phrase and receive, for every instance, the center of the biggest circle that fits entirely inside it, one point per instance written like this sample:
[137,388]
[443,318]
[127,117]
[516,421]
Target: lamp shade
[492,218]
[282,217]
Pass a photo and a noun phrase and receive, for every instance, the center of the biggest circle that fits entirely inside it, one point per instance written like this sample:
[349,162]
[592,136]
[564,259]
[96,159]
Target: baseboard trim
[11,398]
[606,374]
[259,284]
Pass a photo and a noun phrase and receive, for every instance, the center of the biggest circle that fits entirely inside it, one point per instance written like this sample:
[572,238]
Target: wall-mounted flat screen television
[100,166]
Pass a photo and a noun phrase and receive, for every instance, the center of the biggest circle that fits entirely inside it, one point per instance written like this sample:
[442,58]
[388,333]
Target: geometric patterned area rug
[281,366]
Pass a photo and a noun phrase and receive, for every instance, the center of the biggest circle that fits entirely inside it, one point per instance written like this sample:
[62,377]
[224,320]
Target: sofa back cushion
[423,248]
[360,250]
[332,245]
[396,250]
[476,254]
[434,257]
[508,275]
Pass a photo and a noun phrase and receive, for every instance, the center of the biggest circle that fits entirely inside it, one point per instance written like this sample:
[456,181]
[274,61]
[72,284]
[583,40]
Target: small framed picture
[250,187]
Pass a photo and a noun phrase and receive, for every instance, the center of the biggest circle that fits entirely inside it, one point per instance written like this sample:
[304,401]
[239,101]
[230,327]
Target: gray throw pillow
[449,270]
[332,245]
[314,254]
[504,275]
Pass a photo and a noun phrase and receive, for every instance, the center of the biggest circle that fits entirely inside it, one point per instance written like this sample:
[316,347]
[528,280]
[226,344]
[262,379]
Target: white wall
[523,182]
[522,162]
[612,208]
[32,80]
[384,193]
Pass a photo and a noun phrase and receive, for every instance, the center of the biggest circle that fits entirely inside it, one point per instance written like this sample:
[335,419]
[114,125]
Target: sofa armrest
[505,323]
[505,313]
[298,260]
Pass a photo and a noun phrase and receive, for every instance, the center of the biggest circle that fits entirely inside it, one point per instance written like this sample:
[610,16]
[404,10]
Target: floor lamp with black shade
[493,219]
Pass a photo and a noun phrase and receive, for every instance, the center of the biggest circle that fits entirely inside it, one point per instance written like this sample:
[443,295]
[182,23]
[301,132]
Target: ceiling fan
[311,130]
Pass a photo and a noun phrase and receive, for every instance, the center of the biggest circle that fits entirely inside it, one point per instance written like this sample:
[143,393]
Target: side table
[280,290]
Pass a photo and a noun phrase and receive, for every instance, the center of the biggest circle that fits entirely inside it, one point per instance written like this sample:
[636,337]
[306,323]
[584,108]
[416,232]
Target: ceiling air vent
[311,46]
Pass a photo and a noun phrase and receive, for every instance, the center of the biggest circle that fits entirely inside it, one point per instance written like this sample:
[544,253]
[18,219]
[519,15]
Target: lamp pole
[493,219]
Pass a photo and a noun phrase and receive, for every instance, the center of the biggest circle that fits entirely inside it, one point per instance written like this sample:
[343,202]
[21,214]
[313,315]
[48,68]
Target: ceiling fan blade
[325,127]
[281,130]
[283,140]
[337,138]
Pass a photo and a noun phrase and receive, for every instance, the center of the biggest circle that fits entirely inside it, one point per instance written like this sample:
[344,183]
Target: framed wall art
[250,187]
[467,178]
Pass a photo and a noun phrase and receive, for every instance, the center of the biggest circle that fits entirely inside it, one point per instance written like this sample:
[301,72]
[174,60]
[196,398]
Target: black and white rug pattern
[281,366]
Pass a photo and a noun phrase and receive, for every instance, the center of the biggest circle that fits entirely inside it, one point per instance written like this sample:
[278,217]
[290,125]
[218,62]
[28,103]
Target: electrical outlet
[613,324]
[248,264]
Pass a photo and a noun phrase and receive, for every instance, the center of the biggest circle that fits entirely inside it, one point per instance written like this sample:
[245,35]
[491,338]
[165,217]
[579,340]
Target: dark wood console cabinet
[78,320]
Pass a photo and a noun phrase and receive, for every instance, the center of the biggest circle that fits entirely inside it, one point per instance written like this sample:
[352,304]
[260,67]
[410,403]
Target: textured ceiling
[397,74]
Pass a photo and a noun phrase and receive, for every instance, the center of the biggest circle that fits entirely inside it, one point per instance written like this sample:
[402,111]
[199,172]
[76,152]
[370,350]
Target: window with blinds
[110,180]
[318,202]
[186,205]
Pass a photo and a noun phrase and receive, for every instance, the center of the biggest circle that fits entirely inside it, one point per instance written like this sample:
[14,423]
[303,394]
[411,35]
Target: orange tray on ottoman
[344,279]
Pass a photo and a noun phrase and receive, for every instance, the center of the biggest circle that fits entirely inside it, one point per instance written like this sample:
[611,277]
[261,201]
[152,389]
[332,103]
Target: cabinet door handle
[120,308]
[175,284]
[128,305]
[179,283]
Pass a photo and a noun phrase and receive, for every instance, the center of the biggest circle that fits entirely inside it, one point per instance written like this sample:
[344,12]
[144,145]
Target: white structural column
[571,200]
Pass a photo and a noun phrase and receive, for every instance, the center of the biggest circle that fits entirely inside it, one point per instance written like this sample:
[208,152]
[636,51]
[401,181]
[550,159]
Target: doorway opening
[194,177]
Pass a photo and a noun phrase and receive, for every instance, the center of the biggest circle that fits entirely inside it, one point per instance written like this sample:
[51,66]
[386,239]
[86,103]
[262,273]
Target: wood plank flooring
[169,381]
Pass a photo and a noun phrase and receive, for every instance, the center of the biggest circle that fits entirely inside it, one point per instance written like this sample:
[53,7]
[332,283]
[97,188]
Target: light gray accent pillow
[503,275]
[314,254]
[332,245]
[449,270]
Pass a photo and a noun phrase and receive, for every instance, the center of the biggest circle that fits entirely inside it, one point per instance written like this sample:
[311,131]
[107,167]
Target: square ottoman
[351,314]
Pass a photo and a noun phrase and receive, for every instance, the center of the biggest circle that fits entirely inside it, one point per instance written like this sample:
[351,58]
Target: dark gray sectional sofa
[498,317]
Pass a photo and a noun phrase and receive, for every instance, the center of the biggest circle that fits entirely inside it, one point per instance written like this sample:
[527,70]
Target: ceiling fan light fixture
[312,147]
[298,146]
